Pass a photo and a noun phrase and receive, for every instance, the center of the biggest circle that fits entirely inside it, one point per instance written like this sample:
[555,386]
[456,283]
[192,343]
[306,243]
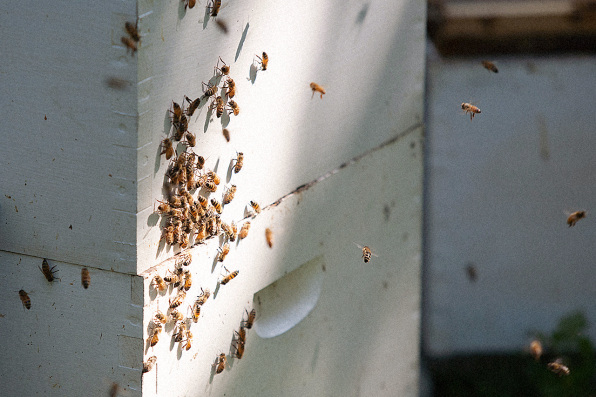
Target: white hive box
[83,188]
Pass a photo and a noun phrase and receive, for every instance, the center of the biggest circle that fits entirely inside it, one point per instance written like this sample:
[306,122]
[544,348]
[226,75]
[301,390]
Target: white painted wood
[498,188]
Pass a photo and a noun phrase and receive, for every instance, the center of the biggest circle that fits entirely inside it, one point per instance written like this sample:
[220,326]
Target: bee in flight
[490,66]
[366,253]
[469,108]
[574,217]
[316,88]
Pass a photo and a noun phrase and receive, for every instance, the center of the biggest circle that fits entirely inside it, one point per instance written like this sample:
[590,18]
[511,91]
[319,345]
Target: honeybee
[132,31]
[192,105]
[168,149]
[159,318]
[188,341]
[469,108]
[196,311]
[536,349]
[231,88]
[211,90]
[269,237]
[229,277]
[176,113]
[216,205]
[255,206]
[184,259]
[85,278]
[209,185]
[490,66]
[366,253]
[251,318]
[179,335]
[244,230]
[181,127]
[159,283]
[191,140]
[130,44]
[176,316]
[229,195]
[218,104]
[215,5]
[25,300]
[149,364]
[200,162]
[222,25]
[172,279]
[234,233]
[574,217]
[114,389]
[226,134]
[239,162]
[223,252]
[178,299]
[316,88]
[213,176]
[47,271]
[264,61]
[239,350]
[221,363]
[203,201]
[225,69]
[168,234]
[201,299]
[187,280]
[154,338]
[241,335]
[189,3]
[234,107]
[558,367]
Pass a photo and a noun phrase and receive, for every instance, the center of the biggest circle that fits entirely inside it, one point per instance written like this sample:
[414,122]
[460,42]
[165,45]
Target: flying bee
[316,88]
[159,318]
[234,107]
[216,205]
[178,299]
[187,280]
[223,252]
[179,335]
[159,284]
[201,299]
[229,195]
[558,367]
[222,25]
[203,201]
[230,88]
[214,7]
[47,271]
[188,341]
[189,3]
[264,61]
[196,311]
[154,337]
[239,162]
[251,318]
[168,149]
[244,230]
[490,66]
[149,364]
[176,316]
[269,237]
[219,105]
[209,185]
[536,349]
[85,278]
[226,134]
[366,253]
[221,363]
[229,277]
[211,90]
[129,44]
[192,105]
[213,176]
[574,217]
[132,31]
[469,108]
[255,206]
[225,69]
[25,300]
[114,389]
[239,350]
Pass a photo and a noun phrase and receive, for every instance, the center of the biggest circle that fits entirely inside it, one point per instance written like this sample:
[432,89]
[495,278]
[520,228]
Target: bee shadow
[206,17]
[229,172]
[252,73]
[208,118]
[241,43]
[216,289]
[225,119]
